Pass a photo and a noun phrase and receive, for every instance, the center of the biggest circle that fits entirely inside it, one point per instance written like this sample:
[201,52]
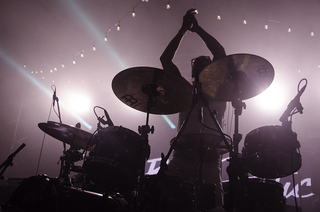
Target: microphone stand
[9,160]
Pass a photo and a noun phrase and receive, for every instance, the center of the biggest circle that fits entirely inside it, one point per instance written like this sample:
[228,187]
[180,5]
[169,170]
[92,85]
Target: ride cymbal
[136,86]
[238,76]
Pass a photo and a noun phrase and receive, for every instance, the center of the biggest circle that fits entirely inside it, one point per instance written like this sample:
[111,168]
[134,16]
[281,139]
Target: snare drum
[116,159]
[272,152]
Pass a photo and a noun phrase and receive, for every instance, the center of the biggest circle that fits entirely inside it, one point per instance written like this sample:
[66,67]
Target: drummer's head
[198,64]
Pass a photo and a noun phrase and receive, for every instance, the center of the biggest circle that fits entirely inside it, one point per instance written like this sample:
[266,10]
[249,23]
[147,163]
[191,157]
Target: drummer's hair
[203,61]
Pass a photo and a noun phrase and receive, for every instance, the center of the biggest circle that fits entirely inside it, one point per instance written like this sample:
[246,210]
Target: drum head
[272,152]
[116,160]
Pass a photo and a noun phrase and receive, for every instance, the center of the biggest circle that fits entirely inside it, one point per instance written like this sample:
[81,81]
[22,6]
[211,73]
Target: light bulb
[94,48]
[168,6]
[82,54]
[244,21]
[74,62]
[133,14]
[105,38]
[289,29]
[62,66]
[219,17]
[312,34]
[266,26]
[118,27]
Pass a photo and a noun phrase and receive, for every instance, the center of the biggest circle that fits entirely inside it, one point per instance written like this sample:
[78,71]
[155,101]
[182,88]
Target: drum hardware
[76,138]
[235,78]
[153,91]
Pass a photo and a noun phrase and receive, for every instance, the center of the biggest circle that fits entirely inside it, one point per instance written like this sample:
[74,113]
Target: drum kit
[114,157]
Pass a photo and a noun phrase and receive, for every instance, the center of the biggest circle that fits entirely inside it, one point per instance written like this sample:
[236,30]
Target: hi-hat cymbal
[170,93]
[238,76]
[191,141]
[68,134]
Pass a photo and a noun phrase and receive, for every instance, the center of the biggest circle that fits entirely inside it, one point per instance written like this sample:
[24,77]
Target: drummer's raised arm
[169,53]
[213,45]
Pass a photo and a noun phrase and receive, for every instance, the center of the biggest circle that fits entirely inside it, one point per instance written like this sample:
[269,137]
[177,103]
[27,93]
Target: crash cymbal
[70,135]
[190,142]
[242,75]
[170,93]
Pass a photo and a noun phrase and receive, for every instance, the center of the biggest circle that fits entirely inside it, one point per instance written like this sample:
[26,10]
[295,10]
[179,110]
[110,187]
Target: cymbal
[68,134]
[242,75]
[170,93]
[188,142]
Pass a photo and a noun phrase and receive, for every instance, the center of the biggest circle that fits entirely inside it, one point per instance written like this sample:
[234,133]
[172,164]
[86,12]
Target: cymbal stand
[235,168]
[144,130]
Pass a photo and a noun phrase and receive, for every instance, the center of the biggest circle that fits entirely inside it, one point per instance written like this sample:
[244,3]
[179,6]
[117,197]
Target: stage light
[169,121]
[78,102]
[272,99]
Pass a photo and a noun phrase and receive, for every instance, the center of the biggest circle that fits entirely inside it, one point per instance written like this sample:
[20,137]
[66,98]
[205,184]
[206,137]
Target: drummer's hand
[187,24]
[194,22]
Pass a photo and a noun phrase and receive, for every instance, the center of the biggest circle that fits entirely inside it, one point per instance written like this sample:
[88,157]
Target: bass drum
[272,152]
[175,194]
[256,195]
[40,193]
[115,162]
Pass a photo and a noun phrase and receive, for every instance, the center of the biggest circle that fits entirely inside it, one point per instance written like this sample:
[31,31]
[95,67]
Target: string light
[117,26]
[244,20]
[168,5]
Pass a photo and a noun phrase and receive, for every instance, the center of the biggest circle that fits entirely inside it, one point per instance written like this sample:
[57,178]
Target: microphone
[55,98]
[19,149]
[293,104]
[109,122]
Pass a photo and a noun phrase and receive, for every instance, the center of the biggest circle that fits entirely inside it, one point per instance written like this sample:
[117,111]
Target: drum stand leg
[235,169]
